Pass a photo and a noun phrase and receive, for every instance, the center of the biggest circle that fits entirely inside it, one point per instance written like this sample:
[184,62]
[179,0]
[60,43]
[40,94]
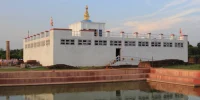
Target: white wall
[91,55]
[81,55]
[43,54]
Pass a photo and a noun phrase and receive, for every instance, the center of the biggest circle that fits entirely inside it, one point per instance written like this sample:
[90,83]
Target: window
[155,44]
[95,32]
[84,42]
[129,43]
[115,43]
[118,93]
[62,41]
[100,42]
[47,42]
[31,45]
[167,44]
[143,44]
[100,33]
[42,43]
[38,44]
[180,45]
[35,44]
[25,46]
[69,42]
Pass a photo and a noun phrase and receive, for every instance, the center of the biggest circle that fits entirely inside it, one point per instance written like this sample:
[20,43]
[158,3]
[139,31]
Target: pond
[138,90]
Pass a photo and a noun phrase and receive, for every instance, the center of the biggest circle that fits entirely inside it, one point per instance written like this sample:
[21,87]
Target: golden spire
[86,15]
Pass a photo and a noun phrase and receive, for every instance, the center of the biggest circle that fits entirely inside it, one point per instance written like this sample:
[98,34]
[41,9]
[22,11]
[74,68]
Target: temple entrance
[118,54]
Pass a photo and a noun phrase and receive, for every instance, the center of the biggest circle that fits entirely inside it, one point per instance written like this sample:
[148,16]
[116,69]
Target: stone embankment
[175,76]
[72,76]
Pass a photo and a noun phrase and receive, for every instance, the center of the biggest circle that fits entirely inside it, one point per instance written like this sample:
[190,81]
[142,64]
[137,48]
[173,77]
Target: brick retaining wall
[175,76]
[71,76]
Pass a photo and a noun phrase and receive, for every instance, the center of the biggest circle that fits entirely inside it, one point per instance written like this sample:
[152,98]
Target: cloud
[165,7]
[148,25]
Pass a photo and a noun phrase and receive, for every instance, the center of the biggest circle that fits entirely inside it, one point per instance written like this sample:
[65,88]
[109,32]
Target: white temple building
[88,43]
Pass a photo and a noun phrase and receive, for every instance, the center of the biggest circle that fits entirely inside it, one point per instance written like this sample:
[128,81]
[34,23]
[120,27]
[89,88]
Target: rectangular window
[38,44]
[155,44]
[129,43]
[167,44]
[115,43]
[42,43]
[100,33]
[31,45]
[143,44]
[95,32]
[25,46]
[100,42]
[35,44]
[69,42]
[62,41]
[179,45]
[47,42]
[84,42]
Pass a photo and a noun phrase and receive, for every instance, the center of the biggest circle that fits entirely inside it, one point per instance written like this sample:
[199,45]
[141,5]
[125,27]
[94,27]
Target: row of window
[38,44]
[118,43]
[37,37]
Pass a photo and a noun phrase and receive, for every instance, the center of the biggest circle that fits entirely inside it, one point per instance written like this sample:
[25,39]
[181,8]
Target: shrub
[61,66]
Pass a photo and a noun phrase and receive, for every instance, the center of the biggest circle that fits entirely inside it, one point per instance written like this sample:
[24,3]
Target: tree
[198,45]
[2,54]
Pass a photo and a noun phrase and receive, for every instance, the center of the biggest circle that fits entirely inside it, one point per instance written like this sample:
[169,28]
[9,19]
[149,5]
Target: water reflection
[140,90]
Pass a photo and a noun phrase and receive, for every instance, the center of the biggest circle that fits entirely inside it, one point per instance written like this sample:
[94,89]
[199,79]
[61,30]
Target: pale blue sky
[155,16]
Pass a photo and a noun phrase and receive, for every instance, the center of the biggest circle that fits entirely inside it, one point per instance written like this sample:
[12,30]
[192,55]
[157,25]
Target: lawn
[189,67]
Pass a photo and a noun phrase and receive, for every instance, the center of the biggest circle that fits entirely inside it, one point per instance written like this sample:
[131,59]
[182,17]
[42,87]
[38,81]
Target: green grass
[23,69]
[188,67]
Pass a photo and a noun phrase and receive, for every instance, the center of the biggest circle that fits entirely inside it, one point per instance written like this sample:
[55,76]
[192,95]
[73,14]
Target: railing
[129,60]
[130,35]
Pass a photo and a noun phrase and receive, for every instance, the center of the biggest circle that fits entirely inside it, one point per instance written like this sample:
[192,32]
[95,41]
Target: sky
[143,16]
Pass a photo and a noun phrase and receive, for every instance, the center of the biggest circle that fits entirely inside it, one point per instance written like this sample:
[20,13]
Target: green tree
[2,54]
[198,45]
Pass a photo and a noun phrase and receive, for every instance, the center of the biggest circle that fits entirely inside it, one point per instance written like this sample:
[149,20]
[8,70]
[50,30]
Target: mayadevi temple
[88,43]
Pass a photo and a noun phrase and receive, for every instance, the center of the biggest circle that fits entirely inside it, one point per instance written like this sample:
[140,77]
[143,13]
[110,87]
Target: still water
[139,90]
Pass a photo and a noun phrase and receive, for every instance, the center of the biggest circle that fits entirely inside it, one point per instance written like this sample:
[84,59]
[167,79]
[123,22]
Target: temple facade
[88,43]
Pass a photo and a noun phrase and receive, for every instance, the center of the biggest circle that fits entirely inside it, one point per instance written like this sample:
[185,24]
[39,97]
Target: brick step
[70,79]
[146,74]
[174,79]
[76,82]
[176,72]
[56,73]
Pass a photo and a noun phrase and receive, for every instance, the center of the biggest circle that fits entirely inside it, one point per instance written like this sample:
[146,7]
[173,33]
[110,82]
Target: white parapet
[108,33]
[161,36]
[172,36]
[135,34]
[149,35]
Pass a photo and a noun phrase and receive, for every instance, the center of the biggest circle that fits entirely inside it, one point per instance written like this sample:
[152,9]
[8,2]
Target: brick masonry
[72,76]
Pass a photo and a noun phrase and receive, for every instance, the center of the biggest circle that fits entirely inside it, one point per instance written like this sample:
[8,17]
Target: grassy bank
[188,67]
